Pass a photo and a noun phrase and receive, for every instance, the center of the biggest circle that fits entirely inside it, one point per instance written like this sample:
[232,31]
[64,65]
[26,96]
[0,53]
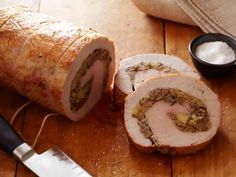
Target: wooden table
[99,142]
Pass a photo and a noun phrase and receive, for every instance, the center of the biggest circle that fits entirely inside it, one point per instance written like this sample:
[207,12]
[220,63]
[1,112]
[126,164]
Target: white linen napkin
[165,9]
[212,15]
[209,15]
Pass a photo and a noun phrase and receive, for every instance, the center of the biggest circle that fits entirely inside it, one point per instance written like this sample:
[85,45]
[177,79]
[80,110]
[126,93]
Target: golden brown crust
[37,50]
[9,41]
[52,43]
[22,36]
[14,34]
[25,22]
[9,12]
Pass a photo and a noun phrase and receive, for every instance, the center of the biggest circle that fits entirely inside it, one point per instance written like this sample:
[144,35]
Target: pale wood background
[98,142]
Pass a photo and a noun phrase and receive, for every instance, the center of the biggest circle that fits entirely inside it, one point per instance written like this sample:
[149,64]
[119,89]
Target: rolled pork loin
[173,114]
[135,70]
[61,66]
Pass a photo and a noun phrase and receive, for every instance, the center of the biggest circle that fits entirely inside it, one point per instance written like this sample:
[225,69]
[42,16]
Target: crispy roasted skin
[14,33]
[36,52]
[9,12]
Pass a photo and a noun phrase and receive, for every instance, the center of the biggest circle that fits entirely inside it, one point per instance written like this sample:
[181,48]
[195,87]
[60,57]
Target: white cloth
[165,9]
[210,15]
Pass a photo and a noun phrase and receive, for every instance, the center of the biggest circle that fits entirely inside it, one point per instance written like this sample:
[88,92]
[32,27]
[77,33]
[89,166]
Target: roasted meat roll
[61,66]
[135,70]
[174,114]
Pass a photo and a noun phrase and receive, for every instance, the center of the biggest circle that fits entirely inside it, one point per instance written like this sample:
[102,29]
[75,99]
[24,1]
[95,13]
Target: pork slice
[169,138]
[124,83]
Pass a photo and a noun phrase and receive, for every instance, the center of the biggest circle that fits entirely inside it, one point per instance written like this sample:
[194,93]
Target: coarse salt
[216,52]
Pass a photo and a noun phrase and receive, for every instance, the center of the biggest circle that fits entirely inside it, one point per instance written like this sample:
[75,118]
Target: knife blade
[52,163]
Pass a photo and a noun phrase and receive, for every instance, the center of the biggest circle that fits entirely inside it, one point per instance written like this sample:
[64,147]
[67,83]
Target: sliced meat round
[135,70]
[174,114]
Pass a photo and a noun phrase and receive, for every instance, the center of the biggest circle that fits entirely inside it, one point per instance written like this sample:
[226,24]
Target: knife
[52,163]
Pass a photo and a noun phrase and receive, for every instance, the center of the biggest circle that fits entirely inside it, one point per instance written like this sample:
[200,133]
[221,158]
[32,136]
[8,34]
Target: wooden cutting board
[99,142]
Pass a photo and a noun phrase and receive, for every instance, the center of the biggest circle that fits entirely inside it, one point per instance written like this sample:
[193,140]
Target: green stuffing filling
[80,93]
[196,120]
[144,66]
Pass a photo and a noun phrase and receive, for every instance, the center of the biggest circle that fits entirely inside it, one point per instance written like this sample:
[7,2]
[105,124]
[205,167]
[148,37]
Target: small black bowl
[209,69]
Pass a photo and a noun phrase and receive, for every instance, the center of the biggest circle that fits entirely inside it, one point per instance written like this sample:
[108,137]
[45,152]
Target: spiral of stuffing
[173,114]
[59,65]
[135,70]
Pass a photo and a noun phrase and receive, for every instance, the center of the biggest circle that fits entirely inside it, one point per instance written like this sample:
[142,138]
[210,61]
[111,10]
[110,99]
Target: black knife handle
[9,138]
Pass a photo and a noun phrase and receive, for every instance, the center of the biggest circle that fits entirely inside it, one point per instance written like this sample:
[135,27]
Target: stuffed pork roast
[61,66]
[174,114]
[135,70]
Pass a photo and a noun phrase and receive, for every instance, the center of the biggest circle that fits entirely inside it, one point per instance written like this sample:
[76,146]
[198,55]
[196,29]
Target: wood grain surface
[98,142]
